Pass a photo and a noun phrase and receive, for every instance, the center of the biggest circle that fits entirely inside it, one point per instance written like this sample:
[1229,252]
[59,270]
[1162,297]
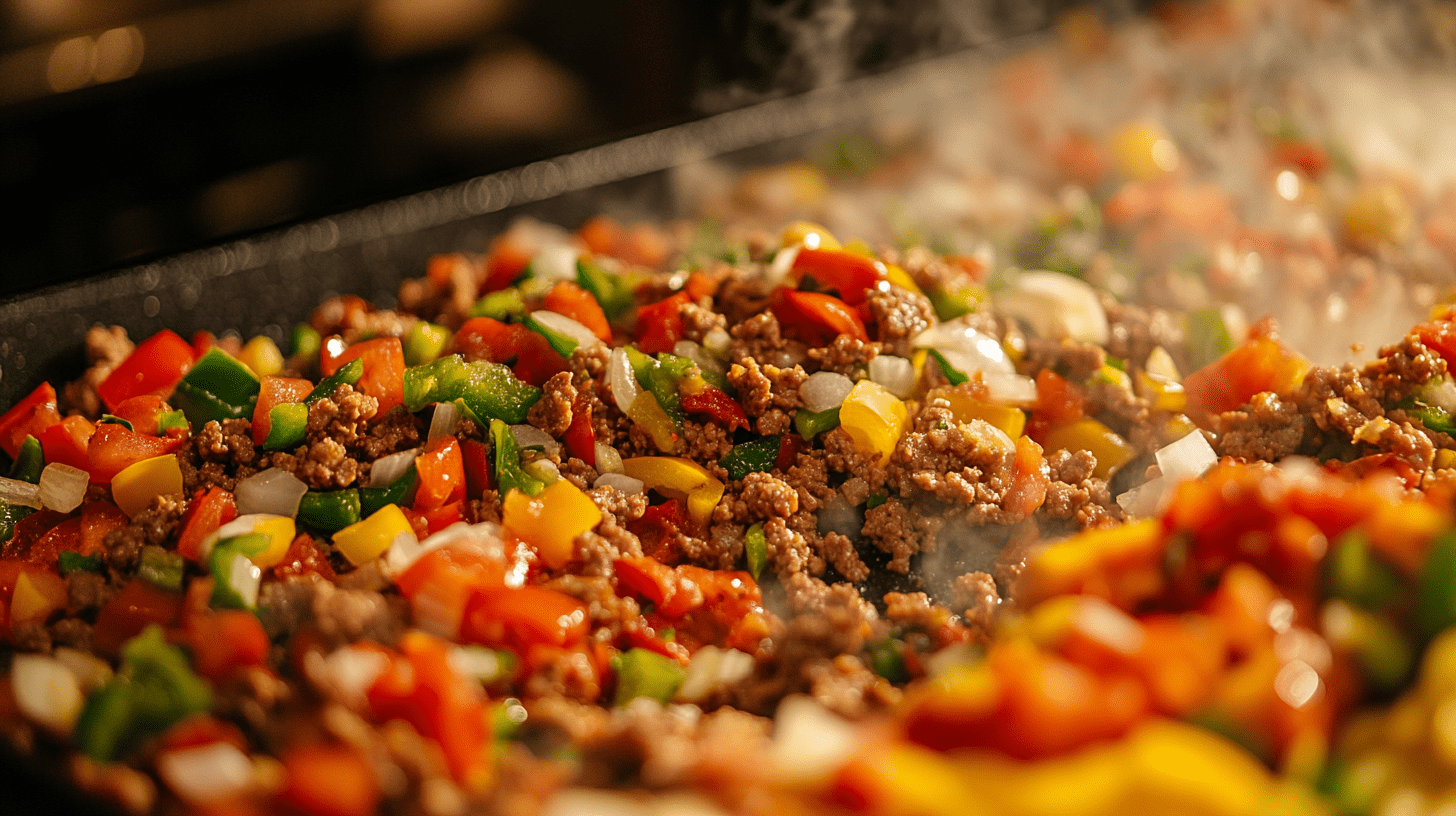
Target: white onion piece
[274,491]
[608,459]
[405,550]
[712,668]
[1055,306]
[555,262]
[716,342]
[1187,458]
[1440,393]
[63,487]
[620,481]
[14,491]
[783,263]
[543,469]
[621,380]
[445,420]
[476,662]
[896,374]
[809,741]
[245,578]
[351,670]
[206,773]
[1010,389]
[706,362]
[91,671]
[387,469]
[46,691]
[824,390]
[561,324]
[529,436]
[967,349]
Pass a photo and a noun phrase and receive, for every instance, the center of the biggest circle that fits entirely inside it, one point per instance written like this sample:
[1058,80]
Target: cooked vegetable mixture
[662,519]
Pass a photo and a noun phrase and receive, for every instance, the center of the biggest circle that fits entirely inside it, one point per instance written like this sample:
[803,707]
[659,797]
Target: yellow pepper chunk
[134,487]
[1011,421]
[809,234]
[678,478]
[1180,768]
[1144,152]
[280,531]
[1122,564]
[551,519]
[874,418]
[261,354]
[898,276]
[645,411]
[1111,450]
[37,595]
[366,540]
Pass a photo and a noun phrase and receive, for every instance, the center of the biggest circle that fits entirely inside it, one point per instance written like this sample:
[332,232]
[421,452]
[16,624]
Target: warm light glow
[1165,155]
[71,64]
[1297,683]
[1287,185]
[118,54]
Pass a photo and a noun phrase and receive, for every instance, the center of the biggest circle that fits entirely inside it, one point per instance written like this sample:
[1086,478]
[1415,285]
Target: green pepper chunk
[810,424]
[216,388]
[29,461]
[287,426]
[952,303]
[1435,607]
[348,374]
[1208,337]
[1386,656]
[875,500]
[9,515]
[424,342]
[154,689]
[754,456]
[68,561]
[305,341]
[508,473]
[105,721]
[1353,572]
[372,499]
[952,374]
[888,661]
[755,549]
[111,419]
[502,304]
[662,378]
[1436,419]
[645,673]
[167,420]
[560,343]
[490,389]
[161,568]
[613,292]
[224,561]
[330,510]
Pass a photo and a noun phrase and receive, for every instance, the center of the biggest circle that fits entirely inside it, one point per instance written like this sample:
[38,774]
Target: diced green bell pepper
[372,499]
[754,456]
[330,510]
[508,473]
[888,661]
[9,515]
[220,562]
[1208,337]
[154,689]
[287,426]
[952,374]
[490,389]
[755,549]
[348,374]
[560,343]
[502,304]
[662,378]
[216,388]
[29,461]
[875,500]
[645,673]
[161,568]
[1435,607]
[952,303]
[810,424]
[106,720]
[167,420]
[1353,572]
[305,341]
[1434,418]
[1386,656]
[110,419]
[69,561]
[424,342]
[612,291]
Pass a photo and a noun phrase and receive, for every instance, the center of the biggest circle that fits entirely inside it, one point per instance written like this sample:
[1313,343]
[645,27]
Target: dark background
[136,128]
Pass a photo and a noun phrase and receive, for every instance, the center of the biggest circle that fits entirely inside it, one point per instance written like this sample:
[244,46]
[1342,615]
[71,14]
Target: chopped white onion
[621,380]
[206,773]
[555,262]
[1010,389]
[274,491]
[608,459]
[14,491]
[405,550]
[63,487]
[783,263]
[824,390]
[1160,364]
[46,691]
[1440,393]
[387,469]
[896,374]
[543,469]
[706,362]
[966,348]
[245,578]
[476,662]
[621,482]
[351,670]
[1055,306]
[529,436]
[717,341]
[445,420]
[712,668]
[91,671]
[1187,458]
[809,741]
[561,324]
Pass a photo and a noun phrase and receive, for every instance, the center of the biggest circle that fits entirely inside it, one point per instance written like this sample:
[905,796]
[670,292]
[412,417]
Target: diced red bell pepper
[660,325]
[816,318]
[66,442]
[789,447]
[328,780]
[521,617]
[224,641]
[717,404]
[421,687]
[567,298]
[849,274]
[305,556]
[383,377]
[28,417]
[476,457]
[277,391]
[154,367]
[98,518]
[64,536]
[509,256]
[1058,401]
[208,512]
[441,469]
[580,437]
[202,341]
[142,411]
[443,516]
[138,605]
[112,449]
[1260,364]
[529,355]
[28,531]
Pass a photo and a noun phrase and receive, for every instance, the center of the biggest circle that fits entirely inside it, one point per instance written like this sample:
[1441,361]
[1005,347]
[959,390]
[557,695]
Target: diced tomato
[521,617]
[113,448]
[1260,364]
[66,442]
[224,641]
[442,475]
[277,391]
[660,325]
[849,274]
[28,417]
[329,780]
[98,518]
[29,531]
[1058,401]
[659,523]
[567,298]
[476,457]
[64,536]
[1030,480]
[789,447]
[383,376]
[305,556]
[816,318]
[213,509]
[580,437]
[529,355]
[716,404]
[153,368]
[138,605]
[468,567]
[646,578]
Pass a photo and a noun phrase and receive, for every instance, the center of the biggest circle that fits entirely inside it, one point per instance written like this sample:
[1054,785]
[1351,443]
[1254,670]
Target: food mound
[710,519]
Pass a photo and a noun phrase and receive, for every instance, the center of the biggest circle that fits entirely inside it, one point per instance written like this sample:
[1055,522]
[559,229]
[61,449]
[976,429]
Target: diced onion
[405,550]
[1440,393]
[1055,306]
[621,482]
[14,491]
[351,670]
[809,741]
[783,262]
[46,691]
[824,390]
[712,668]
[556,261]
[707,362]
[1010,389]
[245,578]
[621,380]
[91,671]
[608,459]
[529,436]
[206,773]
[967,349]
[62,487]
[476,662]
[445,420]
[896,374]
[561,324]
[716,342]
[1187,458]
[387,469]
[543,469]
[274,491]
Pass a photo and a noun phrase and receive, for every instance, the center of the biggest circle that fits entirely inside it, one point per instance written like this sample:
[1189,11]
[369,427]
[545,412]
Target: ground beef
[894,530]
[1073,360]
[552,412]
[106,347]
[706,443]
[1268,428]
[764,388]
[758,338]
[766,497]
[349,615]
[743,295]
[788,551]
[1134,331]
[899,315]
[698,321]
[72,632]
[578,473]
[30,636]
[219,455]
[957,462]
[975,594]
[605,608]
[87,591]
[846,355]
[154,525]
[839,551]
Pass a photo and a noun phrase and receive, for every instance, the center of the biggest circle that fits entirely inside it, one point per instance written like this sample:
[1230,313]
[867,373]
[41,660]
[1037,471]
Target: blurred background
[136,128]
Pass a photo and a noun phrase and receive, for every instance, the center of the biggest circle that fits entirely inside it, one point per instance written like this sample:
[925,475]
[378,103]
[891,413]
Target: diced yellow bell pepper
[1122,564]
[1165,395]
[261,355]
[1110,373]
[280,531]
[1377,214]
[678,478]
[645,411]
[1180,768]
[1091,782]
[551,519]
[1111,450]
[874,418]
[1144,152]
[1011,421]
[1445,458]
[366,540]
[898,276]
[135,486]
[809,234]
[908,780]
[37,595]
